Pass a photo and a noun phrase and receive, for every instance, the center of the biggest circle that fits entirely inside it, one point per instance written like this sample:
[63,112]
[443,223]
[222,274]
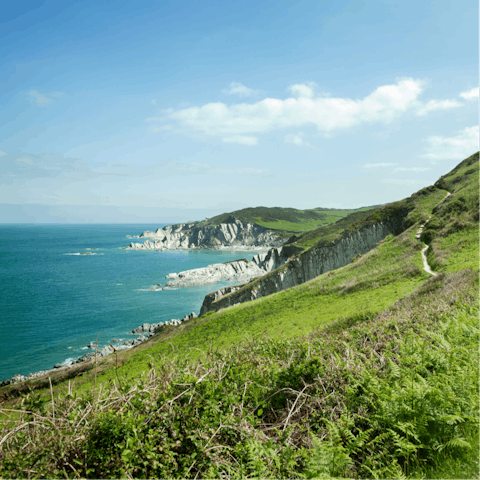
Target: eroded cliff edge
[230,234]
[319,259]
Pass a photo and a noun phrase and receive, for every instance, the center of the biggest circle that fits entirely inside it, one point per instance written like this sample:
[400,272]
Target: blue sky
[116,111]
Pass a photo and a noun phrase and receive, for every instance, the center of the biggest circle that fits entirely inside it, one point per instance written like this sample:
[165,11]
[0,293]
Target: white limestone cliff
[240,270]
[231,233]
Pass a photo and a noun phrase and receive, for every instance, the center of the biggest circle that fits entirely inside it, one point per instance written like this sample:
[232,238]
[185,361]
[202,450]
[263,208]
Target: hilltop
[287,219]
[369,370]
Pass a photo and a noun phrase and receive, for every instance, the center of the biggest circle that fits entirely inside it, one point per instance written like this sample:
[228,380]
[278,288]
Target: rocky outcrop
[232,233]
[304,267]
[152,328]
[240,270]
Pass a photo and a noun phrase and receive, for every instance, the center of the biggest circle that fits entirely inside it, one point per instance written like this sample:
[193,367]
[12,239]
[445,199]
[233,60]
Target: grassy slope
[287,219]
[372,283]
[453,231]
[414,209]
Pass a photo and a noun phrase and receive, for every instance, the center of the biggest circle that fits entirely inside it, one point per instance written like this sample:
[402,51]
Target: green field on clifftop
[287,219]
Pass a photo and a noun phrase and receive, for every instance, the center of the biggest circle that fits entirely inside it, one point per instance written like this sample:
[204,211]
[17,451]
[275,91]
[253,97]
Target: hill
[288,219]
[367,371]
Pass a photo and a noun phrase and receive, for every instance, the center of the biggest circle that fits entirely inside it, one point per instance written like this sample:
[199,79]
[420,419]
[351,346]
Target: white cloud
[302,90]
[241,139]
[240,90]
[458,147]
[433,105]
[412,169]
[296,139]
[470,94]
[379,165]
[41,100]
[236,123]
[3,153]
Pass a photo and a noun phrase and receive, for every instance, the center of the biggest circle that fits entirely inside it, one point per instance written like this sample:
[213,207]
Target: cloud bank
[243,122]
[470,94]
[458,147]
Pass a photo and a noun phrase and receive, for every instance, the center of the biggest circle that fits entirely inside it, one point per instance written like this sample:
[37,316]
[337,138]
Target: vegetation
[407,212]
[368,371]
[287,219]
[372,396]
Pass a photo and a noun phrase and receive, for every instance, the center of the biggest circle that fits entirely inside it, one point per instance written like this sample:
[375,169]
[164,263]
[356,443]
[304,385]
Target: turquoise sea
[53,303]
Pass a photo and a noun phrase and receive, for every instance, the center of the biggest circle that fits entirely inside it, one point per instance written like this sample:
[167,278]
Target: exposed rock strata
[232,233]
[240,270]
[304,267]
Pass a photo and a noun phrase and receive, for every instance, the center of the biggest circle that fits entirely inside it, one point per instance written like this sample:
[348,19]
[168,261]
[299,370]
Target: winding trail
[426,266]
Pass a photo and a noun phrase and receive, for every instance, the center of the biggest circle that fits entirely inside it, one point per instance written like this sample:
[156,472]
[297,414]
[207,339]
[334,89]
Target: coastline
[145,331]
[78,244]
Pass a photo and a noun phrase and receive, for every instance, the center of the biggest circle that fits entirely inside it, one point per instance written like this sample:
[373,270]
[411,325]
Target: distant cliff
[231,233]
[309,264]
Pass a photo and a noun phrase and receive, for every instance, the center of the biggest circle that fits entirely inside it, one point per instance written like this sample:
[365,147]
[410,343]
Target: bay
[53,301]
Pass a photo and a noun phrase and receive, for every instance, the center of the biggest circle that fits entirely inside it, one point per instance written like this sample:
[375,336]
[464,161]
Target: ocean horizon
[54,301]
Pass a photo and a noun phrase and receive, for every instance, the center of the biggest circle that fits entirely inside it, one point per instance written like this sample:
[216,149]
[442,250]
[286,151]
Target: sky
[169,111]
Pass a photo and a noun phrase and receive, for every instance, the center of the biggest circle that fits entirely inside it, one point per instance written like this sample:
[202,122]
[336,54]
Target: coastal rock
[240,270]
[232,233]
[105,351]
[84,358]
[146,328]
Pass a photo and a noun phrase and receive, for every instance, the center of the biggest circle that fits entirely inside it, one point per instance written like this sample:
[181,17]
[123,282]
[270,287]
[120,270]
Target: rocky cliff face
[232,233]
[304,267]
[240,270]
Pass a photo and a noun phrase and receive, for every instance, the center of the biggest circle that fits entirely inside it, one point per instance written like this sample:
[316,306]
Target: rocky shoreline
[145,331]
[241,271]
[228,235]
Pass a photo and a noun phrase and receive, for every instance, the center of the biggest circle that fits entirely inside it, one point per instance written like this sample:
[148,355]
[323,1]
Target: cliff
[231,233]
[240,270]
[309,264]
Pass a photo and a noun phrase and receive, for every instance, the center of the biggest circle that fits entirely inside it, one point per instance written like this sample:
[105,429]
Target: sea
[54,301]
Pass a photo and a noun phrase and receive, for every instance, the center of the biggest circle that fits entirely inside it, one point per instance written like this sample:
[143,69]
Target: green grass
[287,219]
[455,252]
[295,227]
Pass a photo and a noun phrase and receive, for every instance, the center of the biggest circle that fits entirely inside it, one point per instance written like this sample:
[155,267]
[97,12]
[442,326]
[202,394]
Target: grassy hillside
[415,208]
[288,219]
[368,371]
